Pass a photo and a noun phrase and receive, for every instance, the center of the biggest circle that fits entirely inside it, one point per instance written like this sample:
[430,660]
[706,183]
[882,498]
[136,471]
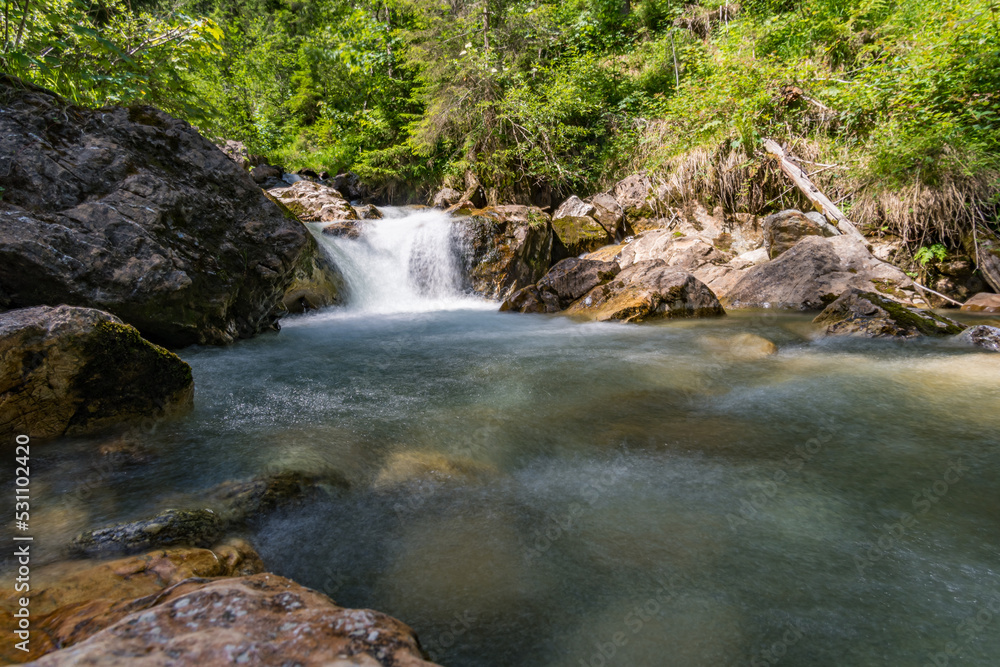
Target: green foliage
[539,95]
[935,253]
[104,53]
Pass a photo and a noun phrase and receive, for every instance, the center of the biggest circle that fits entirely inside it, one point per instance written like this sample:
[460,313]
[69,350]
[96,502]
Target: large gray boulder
[812,274]
[72,371]
[133,212]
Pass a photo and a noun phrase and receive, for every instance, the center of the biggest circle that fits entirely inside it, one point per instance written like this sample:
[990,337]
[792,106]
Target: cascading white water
[409,261]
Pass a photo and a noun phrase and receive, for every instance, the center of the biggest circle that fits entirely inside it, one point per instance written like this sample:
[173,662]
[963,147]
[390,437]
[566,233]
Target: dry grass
[918,213]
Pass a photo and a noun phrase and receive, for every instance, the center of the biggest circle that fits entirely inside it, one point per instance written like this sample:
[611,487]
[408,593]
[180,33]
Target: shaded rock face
[133,212]
[783,230]
[261,619]
[509,247]
[648,290]
[350,186]
[983,302]
[565,282]
[316,283]
[581,235]
[812,275]
[314,202]
[873,315]
[71,371]
[982,336]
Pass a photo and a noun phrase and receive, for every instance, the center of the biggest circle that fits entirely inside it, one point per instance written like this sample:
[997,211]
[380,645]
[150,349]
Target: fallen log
[800,178]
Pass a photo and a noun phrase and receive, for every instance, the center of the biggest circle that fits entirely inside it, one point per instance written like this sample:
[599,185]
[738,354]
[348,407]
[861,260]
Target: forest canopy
[561,96]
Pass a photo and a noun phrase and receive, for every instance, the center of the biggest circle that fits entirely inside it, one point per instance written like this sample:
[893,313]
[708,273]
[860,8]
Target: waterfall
[409,261]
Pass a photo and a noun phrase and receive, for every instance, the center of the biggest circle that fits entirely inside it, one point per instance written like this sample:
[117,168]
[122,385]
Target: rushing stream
[530,490]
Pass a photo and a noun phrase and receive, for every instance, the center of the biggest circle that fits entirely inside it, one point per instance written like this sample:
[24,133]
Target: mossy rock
[872,315]
[172,528]
[73,371]
[581,235]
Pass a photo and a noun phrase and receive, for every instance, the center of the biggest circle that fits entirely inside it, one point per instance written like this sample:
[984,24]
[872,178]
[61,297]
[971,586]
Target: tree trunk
[801,180]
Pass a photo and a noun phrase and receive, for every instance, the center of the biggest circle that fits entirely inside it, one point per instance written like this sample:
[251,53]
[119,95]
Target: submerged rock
[982,336]
[742,347]
[648,290]
[226,507]
[406,467]
[240,501]
[812,275]
[133,212]
[510,247]
[875,316]
[72,371]
[199,527]
[262,619]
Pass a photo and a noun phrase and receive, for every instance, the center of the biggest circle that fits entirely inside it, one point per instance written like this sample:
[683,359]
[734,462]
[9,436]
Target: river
[532,490]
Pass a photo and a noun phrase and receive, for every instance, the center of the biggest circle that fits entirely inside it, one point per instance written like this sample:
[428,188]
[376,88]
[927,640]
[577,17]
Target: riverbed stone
[133,212]
[348,229]
[610,214]
[873,315]
[74,371]
[446,197]
[262,619]
[984,302]
[648,290]
[986,337]
[527,300]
